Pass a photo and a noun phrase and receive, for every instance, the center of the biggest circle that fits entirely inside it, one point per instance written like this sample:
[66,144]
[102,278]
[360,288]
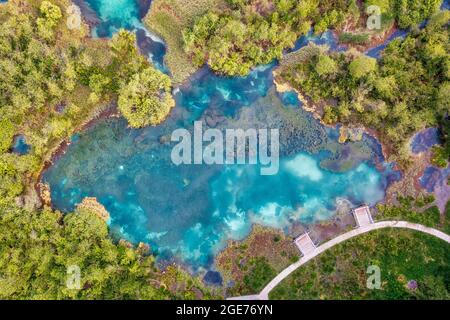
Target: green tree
[36,251]
[51,13]
[146,99]
[412,12]
[50,16]
[6,134]
[326,65]
[362,66]
[98,83]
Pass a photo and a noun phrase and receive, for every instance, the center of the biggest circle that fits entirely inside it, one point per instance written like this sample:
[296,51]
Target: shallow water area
[20,145]
[424,140]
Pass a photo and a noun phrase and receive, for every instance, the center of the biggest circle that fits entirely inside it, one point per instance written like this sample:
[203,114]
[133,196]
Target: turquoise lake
[188,212]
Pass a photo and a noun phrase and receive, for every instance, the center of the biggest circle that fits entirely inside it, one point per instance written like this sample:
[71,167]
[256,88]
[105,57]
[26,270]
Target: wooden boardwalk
[305,244]
[362,216]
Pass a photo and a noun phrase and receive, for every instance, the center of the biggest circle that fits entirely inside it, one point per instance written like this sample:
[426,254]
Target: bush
[146,99]
[6,134]
[261,274]
[347,37]
[362,66]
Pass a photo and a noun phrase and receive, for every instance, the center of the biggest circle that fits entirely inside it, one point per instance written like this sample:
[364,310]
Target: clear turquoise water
[115,14]
[188,212]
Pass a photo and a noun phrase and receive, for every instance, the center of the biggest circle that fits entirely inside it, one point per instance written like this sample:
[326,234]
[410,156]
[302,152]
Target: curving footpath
[264,294]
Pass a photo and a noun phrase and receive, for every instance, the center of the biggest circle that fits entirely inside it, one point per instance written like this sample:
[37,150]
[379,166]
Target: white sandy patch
[305,167]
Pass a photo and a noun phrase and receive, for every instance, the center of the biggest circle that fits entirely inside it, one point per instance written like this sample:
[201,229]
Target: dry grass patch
[168,18]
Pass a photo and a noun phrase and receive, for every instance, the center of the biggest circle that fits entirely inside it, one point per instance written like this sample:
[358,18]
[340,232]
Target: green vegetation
[53,80]
[361,66]
[402,255]
[254,32]
[358,89]
[168,18]
[37,250]
[412,211]
[144,92]
[146,99]
[42,68]
[441,153]
[351,38]
[261,274]
[252,263]
[325,66]
[412,12]
[447,219]
[232,36]
[407,13]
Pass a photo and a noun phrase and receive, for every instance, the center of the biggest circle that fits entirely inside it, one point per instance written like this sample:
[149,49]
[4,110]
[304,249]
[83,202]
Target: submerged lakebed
[188,212]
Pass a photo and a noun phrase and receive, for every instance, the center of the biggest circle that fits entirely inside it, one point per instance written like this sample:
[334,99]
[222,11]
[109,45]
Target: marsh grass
[168,18]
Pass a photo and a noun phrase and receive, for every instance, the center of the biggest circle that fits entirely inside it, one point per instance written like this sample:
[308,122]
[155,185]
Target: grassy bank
[403,256]
[54,79]
[168,18]
[252,263]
